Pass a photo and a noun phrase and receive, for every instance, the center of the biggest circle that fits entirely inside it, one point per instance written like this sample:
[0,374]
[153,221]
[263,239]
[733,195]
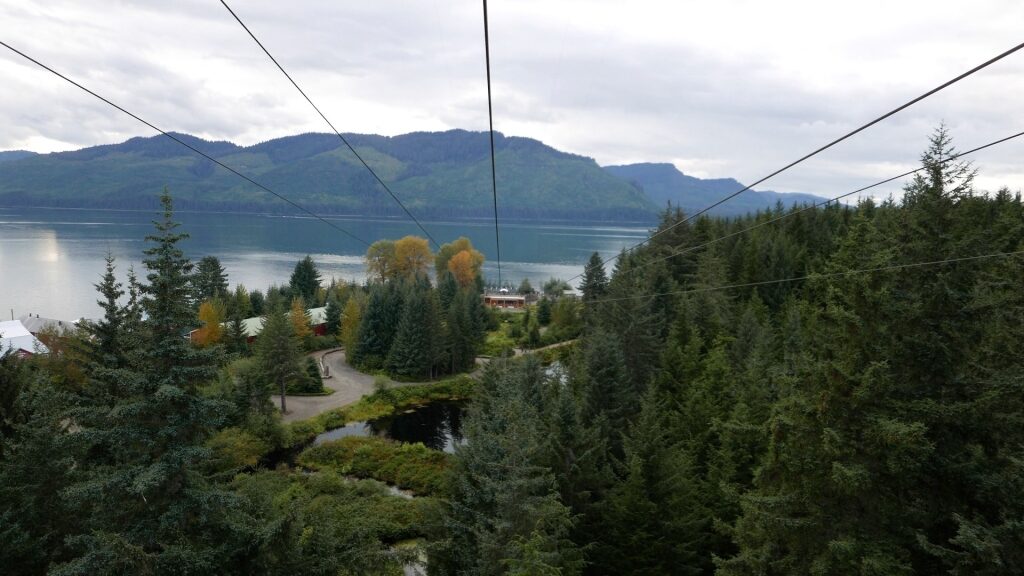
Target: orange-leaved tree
[211,314]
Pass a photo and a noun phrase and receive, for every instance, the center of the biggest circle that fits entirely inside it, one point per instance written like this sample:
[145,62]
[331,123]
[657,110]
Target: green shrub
[411,466]
[326,342]
[497,343]
[234,449]
[309,382]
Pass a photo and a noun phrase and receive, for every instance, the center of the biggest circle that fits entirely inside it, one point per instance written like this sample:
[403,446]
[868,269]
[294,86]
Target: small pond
[437,425]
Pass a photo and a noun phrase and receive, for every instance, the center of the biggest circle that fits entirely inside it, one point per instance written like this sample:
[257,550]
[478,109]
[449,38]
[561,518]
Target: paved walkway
[349,386]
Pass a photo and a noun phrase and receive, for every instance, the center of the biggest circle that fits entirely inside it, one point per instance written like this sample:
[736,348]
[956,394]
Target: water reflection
[62,251]
[437,426]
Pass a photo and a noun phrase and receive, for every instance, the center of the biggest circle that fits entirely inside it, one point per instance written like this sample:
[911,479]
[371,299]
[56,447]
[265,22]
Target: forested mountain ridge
[664,183]
[436,174]
[7,156]
[442,174]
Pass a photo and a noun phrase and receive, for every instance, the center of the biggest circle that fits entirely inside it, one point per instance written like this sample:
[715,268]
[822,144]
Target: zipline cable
[180,141]
[336,132]
[812,276]
[490,117]
[817,205]
[863,127]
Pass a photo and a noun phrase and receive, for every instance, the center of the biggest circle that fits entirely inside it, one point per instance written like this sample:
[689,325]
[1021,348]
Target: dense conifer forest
[737,397]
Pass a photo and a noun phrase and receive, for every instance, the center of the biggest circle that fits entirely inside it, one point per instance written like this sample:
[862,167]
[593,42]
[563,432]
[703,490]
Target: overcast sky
[720,89]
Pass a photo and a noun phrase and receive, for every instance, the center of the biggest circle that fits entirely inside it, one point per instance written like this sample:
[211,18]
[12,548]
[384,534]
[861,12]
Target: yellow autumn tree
[449,250]
[351,317]
[380,260]
[211,314]
[412,256]
[465,266]
[300,320]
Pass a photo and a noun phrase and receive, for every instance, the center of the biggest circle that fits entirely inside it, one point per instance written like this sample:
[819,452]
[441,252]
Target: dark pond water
[438,426]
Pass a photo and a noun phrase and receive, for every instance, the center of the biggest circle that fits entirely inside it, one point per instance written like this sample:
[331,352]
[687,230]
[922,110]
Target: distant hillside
[15,155]
[664,183]
[442,174]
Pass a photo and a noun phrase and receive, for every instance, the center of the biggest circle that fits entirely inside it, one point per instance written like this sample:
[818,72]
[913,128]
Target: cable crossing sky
[850,134]
[182,142]
[490,117]
[336,132]
[811,276]
[817,205]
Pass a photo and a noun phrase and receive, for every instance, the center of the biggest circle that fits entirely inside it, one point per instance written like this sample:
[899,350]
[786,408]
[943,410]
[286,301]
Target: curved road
[349,386]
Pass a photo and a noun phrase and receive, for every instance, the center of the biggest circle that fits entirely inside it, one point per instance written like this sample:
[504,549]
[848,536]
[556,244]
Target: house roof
[511,297]
[35,324]
[253,326]
[14,336]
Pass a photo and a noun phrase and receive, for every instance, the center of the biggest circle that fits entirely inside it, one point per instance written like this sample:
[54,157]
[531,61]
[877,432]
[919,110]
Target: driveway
[349,386]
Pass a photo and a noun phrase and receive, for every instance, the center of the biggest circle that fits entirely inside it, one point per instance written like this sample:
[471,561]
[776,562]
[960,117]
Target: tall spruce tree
[594,286]
[378,325]
[332,315]
[506,516]
[653,520]
[305,280]
[210,279]
[277,351]
[416,348]
[106,334]
[142,489]
[37,465]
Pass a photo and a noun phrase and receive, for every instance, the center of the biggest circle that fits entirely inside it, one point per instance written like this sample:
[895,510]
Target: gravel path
[349,386]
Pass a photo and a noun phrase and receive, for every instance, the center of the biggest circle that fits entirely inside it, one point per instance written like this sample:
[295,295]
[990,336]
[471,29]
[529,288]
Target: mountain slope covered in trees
[436,174]
[664,183]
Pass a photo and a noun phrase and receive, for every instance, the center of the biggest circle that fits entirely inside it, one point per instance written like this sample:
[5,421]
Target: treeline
[406,326]
[848,423]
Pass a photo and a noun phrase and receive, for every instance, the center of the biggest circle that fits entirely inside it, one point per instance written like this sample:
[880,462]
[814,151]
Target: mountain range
[436,174]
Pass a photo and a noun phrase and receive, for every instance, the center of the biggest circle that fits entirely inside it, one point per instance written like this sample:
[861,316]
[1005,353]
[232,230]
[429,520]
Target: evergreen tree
[378,326]
[106,344]
[608,398]
[237,339]
[37,465]
[506,515]
[594,285]
[595,279]
[141,488]
[277,351]
[544,312]
[305,280]
[256,299]
[210,280]
[414,352]
[447,287]
[332,316]
[653,521]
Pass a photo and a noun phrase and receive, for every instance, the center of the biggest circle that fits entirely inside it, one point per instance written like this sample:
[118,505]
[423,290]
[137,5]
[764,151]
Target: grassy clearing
[410,466]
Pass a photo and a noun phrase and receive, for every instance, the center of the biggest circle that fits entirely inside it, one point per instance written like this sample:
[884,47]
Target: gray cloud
[721,89]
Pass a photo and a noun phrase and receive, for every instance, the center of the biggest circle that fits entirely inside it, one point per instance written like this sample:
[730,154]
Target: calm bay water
[50,258]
